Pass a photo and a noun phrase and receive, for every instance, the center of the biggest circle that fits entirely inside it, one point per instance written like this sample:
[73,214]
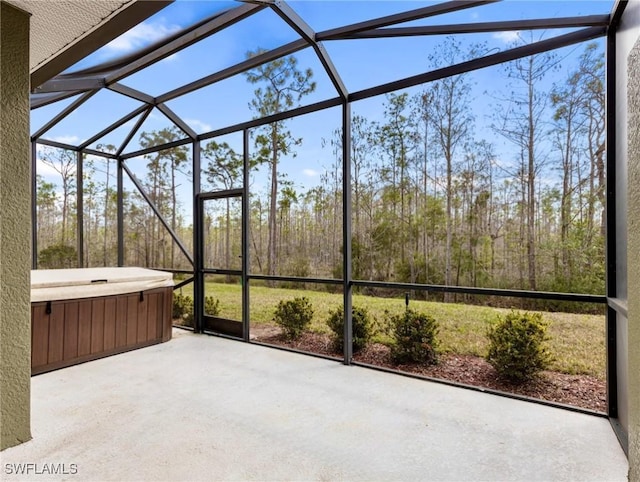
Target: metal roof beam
[68,147]
[56,144]
[248,64]
[97,153]
[286,13]
[132,93]
[70,108]
[216,24]
[290,114]
[67,84]
[40,100]
[331,70]
[113,126]
[177,120]
[417,14]
[482,62]
[133,131]
[511,25]
[161,147]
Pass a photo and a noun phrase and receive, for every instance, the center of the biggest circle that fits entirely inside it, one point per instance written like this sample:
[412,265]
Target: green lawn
[577,340]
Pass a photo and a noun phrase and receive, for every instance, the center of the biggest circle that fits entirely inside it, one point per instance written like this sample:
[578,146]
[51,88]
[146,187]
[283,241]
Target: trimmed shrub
[293,316]
[183,309]
[362,327]
[211,306]
[517,348]
[414,337]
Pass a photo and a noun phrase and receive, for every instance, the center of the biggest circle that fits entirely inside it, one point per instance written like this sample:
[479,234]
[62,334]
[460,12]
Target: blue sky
[362,64]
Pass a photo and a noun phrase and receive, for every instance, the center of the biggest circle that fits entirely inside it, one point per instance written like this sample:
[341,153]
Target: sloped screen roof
[192,51]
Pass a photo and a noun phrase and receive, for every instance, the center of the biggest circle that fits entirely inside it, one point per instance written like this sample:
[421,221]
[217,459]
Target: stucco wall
[15,228]
[633,102]
[629,100]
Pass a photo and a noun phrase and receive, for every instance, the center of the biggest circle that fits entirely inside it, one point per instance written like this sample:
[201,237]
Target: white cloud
[198,125]
[72,140]
[45,170]
[310,172]
[170,58]
[507,37]
[142,34]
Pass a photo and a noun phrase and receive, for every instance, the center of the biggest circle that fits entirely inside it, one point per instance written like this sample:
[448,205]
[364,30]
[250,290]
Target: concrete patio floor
[206,408]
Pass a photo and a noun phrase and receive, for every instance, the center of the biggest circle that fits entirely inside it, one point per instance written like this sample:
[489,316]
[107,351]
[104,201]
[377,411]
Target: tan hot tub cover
[65,284]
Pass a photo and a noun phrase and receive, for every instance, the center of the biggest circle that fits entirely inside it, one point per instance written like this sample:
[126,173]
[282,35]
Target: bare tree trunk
[531,178]
[565,208]
[227,242]
[173,211]
[106,211]
[271,245]
[449,241]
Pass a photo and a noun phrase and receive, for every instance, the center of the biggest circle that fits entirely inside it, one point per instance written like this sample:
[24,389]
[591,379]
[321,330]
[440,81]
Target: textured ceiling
[63,32]
[57,25]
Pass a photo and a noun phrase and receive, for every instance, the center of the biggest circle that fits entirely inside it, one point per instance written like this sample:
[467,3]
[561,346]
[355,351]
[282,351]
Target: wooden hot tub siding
[79,330]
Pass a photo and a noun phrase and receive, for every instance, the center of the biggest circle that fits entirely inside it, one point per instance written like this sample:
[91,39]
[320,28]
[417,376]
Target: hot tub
[79,315]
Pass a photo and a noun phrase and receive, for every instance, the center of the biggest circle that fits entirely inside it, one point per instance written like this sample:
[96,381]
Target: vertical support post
[198,245]
[346,232]
[80,208]
[120,214]
[245,236]
[612,365]
[610,239]
[34,205]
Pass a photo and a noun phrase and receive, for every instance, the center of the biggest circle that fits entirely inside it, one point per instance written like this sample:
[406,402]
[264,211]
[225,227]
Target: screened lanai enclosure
[450,158]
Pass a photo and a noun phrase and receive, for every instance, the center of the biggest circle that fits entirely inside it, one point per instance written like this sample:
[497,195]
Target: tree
[398,140]
[108,193]
[284,87]
[223,170]
[100,199]
[521,123]
[592,75]
[174,158]
[566,100]
[90,206]
[363,140]
[46,203]
[422,114]
[579,124]
[451,116]
[64,163]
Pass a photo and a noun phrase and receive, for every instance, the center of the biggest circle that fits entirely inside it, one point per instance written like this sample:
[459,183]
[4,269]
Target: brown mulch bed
[582,391]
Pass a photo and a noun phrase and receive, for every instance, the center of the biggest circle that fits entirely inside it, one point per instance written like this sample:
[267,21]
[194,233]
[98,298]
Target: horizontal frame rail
[227,193]
[483,27]
[417,14]
[183,283]
[161,147]
[229,272]
[296,279]
[482,62]
[540,295]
